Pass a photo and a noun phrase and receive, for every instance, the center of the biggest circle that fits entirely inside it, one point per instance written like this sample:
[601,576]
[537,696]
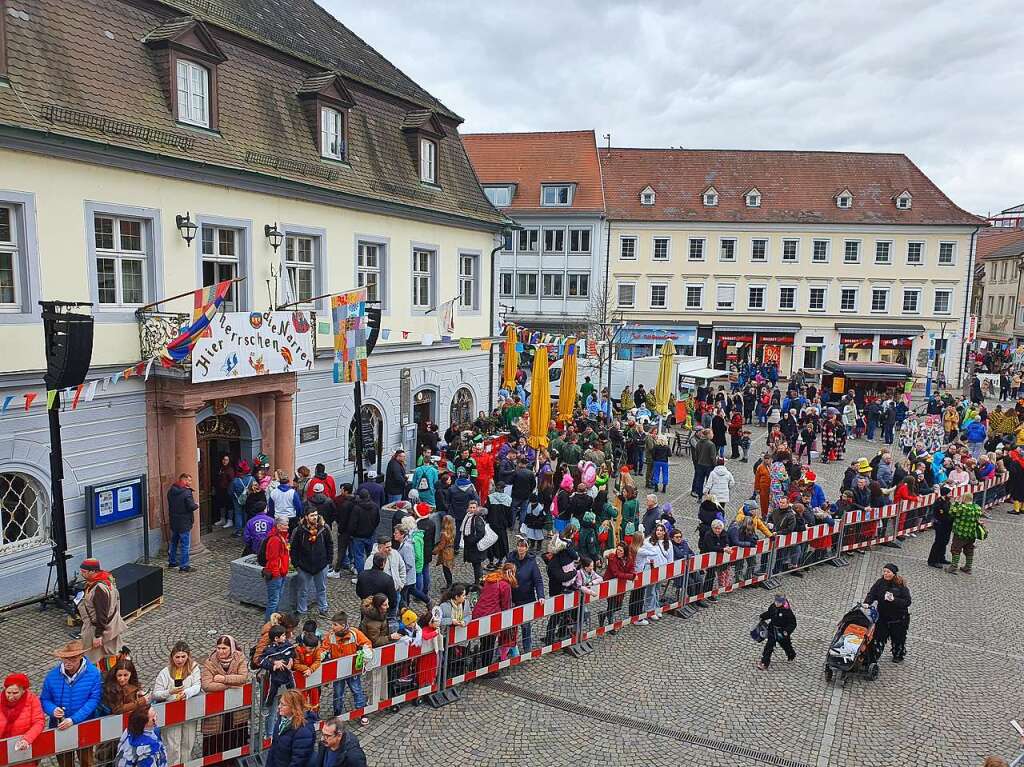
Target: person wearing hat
[21,714]
[100,611]
[892,597]
[781,623]
[70,695]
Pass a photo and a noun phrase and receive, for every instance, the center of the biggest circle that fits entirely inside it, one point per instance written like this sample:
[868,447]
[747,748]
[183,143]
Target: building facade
[1011,218]
[550,274]
[791,257]
[1000,317]
[307,165]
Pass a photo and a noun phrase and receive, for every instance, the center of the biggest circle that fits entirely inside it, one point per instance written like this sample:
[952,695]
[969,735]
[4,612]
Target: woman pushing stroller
[891,594]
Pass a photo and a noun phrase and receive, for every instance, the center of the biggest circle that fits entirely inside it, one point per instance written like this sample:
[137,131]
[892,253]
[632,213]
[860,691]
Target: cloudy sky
[941,81]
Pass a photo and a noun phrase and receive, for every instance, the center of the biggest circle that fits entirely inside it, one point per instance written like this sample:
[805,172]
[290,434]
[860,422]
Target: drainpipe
[967,311]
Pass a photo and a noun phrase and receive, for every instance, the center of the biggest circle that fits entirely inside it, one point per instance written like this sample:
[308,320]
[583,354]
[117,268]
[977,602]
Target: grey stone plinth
[246,585]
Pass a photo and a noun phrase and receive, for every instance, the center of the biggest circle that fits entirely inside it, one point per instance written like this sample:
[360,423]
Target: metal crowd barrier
[213,727]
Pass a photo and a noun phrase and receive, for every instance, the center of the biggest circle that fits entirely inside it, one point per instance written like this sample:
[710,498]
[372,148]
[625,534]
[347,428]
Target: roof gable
[186,32]
[328,86]
[423,121]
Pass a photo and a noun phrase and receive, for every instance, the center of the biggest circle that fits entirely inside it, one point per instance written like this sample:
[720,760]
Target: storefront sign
[733,338]
[895,342]
[657,334]
[972,328]
[245,344]
[774,338]
[838,385]
[856,342]
[772,354]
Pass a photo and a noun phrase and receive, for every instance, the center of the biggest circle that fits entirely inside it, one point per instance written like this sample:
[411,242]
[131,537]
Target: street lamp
[187,227]
[275,235]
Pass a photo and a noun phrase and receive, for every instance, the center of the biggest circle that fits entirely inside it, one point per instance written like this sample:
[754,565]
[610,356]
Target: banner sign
[348,313]
[245,344]
[896,342]
[856,342]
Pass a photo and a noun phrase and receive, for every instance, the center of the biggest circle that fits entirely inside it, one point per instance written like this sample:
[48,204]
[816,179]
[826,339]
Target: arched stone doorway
[461,410]
[228,433]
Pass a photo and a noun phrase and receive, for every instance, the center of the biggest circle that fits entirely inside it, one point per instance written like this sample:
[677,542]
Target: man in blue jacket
[71,692]
[529,584]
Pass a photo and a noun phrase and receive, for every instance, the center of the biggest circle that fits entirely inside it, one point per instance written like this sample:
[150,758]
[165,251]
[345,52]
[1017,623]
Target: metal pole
[60,533]
[357,394]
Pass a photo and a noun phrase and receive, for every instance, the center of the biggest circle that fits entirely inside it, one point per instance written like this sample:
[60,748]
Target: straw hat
[70,650]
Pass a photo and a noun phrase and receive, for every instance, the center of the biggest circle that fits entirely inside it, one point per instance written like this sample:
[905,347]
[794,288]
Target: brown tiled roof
[1000,243]
[795,187]
[86,58]
[530,159]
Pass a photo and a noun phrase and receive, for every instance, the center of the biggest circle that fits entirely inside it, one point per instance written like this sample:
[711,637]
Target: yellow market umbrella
[511,359]
[664,388]
[567,391]
[540,399]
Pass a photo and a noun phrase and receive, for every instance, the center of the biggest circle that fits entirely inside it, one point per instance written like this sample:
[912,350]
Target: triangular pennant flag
[149,366]
[140,368]
[405,334]
[7,403]
[385,334]
[78,395]
[90,391]
[446,339]
[465,344]
[29,399]
[486,344]
[519,347]
[117,377]
[428,339]
[50,397]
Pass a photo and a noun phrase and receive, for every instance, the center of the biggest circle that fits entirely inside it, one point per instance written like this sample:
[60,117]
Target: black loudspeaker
[138,585]
[68,345]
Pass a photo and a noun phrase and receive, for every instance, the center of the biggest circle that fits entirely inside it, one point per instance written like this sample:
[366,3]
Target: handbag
[489,538]
[760,632]
[980,531]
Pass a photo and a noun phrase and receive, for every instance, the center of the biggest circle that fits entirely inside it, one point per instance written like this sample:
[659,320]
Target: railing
[402,672]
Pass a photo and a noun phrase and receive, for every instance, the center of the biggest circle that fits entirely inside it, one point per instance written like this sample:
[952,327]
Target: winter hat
[243,466]
[19,680]
[666,508]
[944,490]
[566,483]
[414,496]
[590,517]
[575,523]
[780,599]
[810,476]
[863,466]
[90,565]
[602,480]
[461,472]
[409,617]
[422,509]
[892,568]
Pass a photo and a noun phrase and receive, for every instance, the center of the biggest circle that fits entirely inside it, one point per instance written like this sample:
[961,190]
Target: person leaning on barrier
[340,748]
[140,744]
[294,742]
[21,715]
[71,694]
[224,668]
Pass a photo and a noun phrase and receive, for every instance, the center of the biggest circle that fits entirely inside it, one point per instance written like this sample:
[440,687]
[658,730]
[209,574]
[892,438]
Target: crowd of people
[530,521]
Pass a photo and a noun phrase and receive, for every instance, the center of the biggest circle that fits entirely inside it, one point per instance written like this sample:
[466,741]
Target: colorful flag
[485,344]
[446,318]
[405,334]
[29,399]
[465,344]
[50,397]
[385,334]
[446,339]
[78,395]
[90,392]
[7,403]
[149,366]
[207,302]
[348,312]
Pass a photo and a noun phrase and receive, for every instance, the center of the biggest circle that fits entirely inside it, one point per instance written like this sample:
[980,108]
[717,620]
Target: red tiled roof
[996,242]
[795,187]
[530,159]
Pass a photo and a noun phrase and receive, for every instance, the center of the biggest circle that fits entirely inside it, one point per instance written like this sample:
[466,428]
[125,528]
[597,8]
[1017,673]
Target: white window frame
[907,292]
[381,273]
[844,201]
[810,299]
[504,292]
[755,240]
[536,284]
[699,287]
[752,198]
[721,249]
[219,259]
[949,301]
[531,235]
[618,295]
[703,249]
[856,298]
[795,242]
[40,513]
[731,305]
[888,295]
[710,198]
[428,161]
[469,279]
[648,197]
[889,245]
[764,297]
[579,279]
[295,267]
[846,245]
[814,250]
[507,199]
[555,278]
[952,246]
[555,232]
[904,202]
[424,274]
[668,249]
[920,261]
[650,295]
[631,239]
[12,249]
[193,84]
[332,133]
[581,232]
[545,188]
[120,255]
[796,295]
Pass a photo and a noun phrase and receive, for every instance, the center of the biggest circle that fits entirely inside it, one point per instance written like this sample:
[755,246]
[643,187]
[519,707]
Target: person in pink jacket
[21,715]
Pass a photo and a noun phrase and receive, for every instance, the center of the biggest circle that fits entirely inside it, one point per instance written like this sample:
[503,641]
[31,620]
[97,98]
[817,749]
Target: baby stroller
[851,649]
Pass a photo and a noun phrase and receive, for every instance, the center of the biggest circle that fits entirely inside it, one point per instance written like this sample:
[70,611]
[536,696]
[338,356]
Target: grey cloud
[940,81]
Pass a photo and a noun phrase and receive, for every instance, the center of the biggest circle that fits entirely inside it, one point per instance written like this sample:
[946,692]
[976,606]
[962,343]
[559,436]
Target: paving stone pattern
[652,693]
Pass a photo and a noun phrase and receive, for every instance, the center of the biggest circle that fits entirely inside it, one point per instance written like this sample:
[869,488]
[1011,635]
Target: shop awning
[704,373]
[885,330]
[869,371]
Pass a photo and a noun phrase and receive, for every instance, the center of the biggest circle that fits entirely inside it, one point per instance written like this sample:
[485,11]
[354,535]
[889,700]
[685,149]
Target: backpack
[261,552]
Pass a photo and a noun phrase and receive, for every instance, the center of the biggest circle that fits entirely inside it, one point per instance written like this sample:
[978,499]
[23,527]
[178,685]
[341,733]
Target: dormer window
[332,134]
[647,196]
[753,198]
[710,197]
[189,55]
[325,101]
[904,201]
[844,199]
[556,195]
[500,196]
[428,161]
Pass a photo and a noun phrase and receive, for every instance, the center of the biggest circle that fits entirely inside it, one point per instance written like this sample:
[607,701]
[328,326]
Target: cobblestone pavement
[684,691]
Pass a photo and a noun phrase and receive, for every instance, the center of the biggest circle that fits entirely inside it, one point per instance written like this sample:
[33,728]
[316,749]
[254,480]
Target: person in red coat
[496,596]
[484,470]
[620,564]
[278,560]
[21,715]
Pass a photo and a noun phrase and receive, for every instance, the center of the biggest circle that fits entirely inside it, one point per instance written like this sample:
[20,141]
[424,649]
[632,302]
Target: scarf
[311,535]
[97,577]
[12,712]
[226,664]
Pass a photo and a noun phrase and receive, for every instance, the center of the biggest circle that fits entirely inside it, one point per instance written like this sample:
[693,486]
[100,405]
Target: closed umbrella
[540,399]
[567,390]
[664,388]
[511,359]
